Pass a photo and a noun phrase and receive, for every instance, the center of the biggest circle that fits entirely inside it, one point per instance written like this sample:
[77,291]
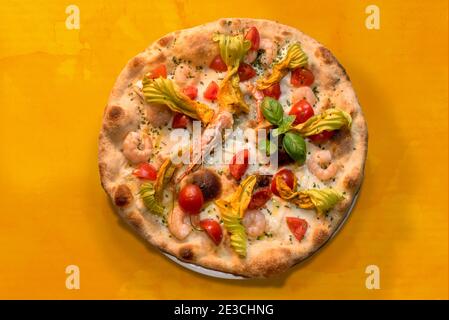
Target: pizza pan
[224,275]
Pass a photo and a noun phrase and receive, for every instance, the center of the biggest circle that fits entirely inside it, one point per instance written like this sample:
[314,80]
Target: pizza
[237,145]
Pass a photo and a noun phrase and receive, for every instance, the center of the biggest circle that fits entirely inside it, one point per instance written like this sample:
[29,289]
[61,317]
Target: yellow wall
[54,84]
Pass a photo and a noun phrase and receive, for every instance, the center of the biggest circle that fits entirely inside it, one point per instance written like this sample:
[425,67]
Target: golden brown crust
[265,258]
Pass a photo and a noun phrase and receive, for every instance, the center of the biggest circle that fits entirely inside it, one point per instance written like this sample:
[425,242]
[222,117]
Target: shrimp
[254,223]
[258,96]
[137,147]
[270,51]
[178,223]
[321,166]
[303,93]
[185,75]
[158,115]
[209,139]
[250,56]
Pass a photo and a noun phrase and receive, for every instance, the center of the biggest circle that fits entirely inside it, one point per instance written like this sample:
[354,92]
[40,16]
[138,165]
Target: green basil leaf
[272,110]
[295,146]
[284,126]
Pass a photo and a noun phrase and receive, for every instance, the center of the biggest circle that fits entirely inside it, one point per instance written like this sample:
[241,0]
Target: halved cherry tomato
[159,71]
[246,72]
[239,164]
[274,91]
[191,199]
[287,175]
[213,229]
[218,64]
[302,110]
[253,36]
[322,137]
[297,226]
[301,77]
[190,91]
[259,198]
[211,91]
[145,171]
[180,120]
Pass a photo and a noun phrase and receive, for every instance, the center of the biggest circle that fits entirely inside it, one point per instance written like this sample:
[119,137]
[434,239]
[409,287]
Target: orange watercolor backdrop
[54,84]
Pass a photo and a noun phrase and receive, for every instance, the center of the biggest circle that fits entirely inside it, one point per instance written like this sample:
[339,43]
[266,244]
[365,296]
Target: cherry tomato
[286,175]
[191,199]
[246,72]
[211,91]
[259,198]
[218,64]
[190,91]
[322,137]
[145,171]
[239,164]
[213,229]
[159,71]
[180,121]
[301,77]
[297,226]
[302,110]
[274,91]
[253,36]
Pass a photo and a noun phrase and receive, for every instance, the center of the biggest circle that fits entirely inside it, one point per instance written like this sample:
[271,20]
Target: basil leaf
[284,126]
[272,110]
[295,146]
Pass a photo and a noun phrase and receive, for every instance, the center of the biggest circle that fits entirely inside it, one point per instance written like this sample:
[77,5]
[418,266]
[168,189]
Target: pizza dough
[186,56]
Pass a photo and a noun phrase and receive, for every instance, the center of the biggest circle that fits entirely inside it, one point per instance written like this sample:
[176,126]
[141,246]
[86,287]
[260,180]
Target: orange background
[54,84]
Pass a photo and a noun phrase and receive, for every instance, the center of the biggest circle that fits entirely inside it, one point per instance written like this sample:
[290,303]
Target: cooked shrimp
[250,56]
[178,223]
[158,115]
[258,96]
[185,75]
[137,147]
[320,164]
[209,139]
[254,223]
[303,93]
[270,51]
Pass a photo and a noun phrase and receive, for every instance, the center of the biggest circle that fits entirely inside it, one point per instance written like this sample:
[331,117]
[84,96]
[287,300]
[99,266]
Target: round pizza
[237,145]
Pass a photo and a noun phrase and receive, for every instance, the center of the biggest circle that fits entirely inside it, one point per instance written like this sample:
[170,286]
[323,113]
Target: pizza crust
[266,257]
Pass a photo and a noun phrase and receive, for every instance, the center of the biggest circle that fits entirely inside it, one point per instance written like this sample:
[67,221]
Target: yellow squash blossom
[232,212]
[294,58]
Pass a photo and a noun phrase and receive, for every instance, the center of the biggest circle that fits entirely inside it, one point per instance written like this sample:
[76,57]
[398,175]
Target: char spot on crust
[138,61]
[186,253]
[165,41]
[123,196]
[115,117]
[325,55]
[233,23]
[319,236]
[115,113]
[157,58]
[278,39]
[352,179]
[135,219]
[286,33]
